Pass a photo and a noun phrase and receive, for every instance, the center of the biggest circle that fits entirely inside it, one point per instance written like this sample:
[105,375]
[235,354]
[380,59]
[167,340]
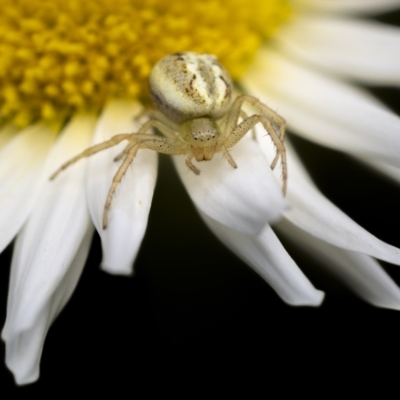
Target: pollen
[61,57]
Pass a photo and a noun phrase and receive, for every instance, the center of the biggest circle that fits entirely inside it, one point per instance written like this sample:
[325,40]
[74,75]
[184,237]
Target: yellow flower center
[58,57]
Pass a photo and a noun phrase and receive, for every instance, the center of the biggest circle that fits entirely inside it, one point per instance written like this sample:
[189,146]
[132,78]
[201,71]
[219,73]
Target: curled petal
[49,255]
[128,215]
[314,213]
[358,271]
[245,198]
[360,50]
[325,110]
[21,177]
[348,6]
[266,255]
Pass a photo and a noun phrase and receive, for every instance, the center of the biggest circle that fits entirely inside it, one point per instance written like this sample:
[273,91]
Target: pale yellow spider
[197,116]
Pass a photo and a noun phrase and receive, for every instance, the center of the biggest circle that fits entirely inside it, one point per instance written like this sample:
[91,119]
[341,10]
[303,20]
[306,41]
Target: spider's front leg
[236,110]
[93,150]
[167,129]
[245,126]
[137,142]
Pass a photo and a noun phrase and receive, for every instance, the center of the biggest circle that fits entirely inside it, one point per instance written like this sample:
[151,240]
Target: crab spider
[196,115]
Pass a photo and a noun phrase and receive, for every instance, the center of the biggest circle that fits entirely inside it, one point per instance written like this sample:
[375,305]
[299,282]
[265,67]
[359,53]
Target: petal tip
[112,269]
[22,361]
[315,300]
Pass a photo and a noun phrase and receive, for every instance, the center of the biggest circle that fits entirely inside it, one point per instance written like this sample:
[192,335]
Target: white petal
[244,198]
[360,50]
[388,170]
[21,178]
[44,251]
[58,222]
[266,255]
[127,219]
[348,6]
[314,213]
[6,134]
[24,346]
[358,271]
[324,110]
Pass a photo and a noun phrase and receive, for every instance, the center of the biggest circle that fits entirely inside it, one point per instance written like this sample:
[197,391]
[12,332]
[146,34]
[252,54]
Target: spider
[196,114]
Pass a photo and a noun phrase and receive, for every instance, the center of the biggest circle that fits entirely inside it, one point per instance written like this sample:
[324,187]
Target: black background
[194,315]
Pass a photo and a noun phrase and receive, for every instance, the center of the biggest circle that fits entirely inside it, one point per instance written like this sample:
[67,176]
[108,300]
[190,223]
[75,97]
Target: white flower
[304,74]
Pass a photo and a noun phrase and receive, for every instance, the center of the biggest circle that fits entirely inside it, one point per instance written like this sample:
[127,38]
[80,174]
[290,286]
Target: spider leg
[166,130]
[244,115]
[230,159]
[161,144]
[240,130]
[235,111]
[123,153]
[92,150]
[229,122]
[117,179]
[158,116]
[143,141]
[190,165]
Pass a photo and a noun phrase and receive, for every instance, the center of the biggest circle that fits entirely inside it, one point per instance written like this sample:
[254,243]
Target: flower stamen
[58,57]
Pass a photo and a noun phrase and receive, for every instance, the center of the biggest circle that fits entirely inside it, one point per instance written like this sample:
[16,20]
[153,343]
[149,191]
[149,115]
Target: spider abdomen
[186,86]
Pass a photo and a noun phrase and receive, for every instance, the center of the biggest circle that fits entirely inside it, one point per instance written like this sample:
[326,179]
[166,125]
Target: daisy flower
[73,74]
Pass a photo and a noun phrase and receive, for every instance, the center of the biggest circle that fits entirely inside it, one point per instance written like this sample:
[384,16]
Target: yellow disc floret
[58,57]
